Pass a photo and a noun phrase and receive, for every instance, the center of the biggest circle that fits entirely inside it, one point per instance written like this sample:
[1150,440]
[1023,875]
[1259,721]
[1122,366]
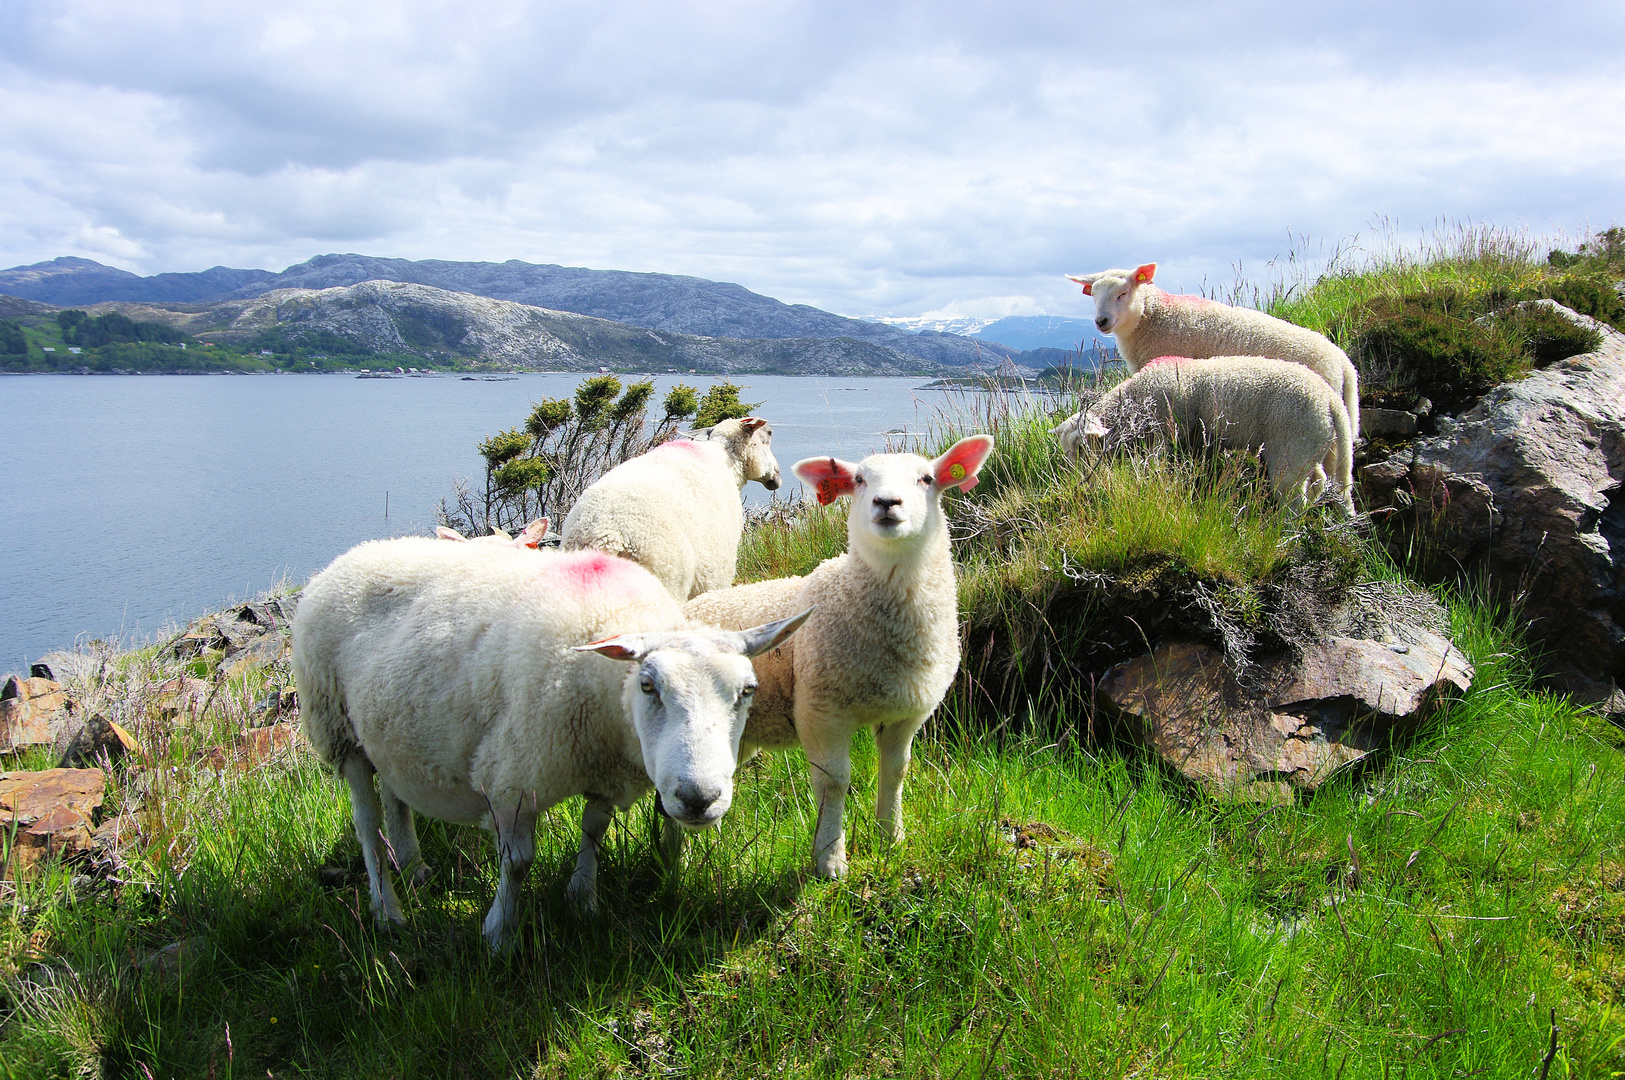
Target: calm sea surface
[136,502]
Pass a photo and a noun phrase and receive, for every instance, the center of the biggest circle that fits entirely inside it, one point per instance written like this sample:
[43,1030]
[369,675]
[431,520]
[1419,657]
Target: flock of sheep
[485,681]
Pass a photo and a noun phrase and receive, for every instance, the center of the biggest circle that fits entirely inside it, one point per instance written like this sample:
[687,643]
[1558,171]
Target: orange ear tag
[827,492]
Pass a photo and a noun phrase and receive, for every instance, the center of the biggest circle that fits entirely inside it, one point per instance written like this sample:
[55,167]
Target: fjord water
[136,502]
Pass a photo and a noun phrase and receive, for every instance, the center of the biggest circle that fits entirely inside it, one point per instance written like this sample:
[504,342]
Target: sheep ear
[500,533]
[1092,427]
[1144,274]
[829,477]
[957,467]
[699,434]
[449,534]
[532,536]
[760,639]
[1087,281]
[620,647]
[752,423]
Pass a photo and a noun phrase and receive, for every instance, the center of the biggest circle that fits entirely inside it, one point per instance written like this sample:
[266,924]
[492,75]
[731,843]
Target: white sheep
[676,509]
[1149,323]
[882,646]
[1282,410]
[532,537]
[457,673]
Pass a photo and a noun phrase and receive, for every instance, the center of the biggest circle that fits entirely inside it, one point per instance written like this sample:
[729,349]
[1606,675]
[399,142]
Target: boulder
[29,710]
[50,812]
[1294,722]
[1527,485]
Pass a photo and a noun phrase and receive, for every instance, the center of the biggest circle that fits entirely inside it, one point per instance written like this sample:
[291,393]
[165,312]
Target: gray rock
[1387,423]
[1527,485]
[1295,723]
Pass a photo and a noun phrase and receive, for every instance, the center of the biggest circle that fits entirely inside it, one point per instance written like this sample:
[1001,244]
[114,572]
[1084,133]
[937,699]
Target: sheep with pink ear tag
[882,646]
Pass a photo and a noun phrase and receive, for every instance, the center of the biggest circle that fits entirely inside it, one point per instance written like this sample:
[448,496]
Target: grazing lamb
[533,536]
[882,646]
[456,673]
[676,509]
[1278,408]
[1150,323]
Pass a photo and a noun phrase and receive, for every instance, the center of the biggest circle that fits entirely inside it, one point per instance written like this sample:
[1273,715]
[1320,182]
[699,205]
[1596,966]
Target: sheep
[676,509]
[882,646]
[1278,408]
[534,535]
[1150,323]
[457,674]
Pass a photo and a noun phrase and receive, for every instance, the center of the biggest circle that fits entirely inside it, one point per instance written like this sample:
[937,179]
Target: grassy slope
[1426,918]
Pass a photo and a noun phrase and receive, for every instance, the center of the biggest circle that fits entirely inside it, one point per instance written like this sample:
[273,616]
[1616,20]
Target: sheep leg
[583,888]
[895,743]
[367,815]
[401,828]
[830,762]
[516,850]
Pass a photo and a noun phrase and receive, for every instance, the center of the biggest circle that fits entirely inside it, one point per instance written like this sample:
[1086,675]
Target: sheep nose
[1102,321]
[693,801]
[885,503]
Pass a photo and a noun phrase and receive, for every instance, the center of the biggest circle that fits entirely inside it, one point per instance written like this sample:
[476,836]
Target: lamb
[1150,323]
[676,509]
[456,673]
[882,646]
[533,537]
[1278,408]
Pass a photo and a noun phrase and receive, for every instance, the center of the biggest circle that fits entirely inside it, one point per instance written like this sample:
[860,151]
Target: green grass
[1438,319]
[1426,918]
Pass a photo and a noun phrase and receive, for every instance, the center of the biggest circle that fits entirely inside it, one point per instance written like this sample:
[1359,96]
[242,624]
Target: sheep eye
[926,480]
[746,691]
[646,684]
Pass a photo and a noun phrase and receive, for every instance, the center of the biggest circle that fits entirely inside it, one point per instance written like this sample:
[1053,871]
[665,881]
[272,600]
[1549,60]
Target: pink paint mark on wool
[589,571]
[1181,300]
[1166,361]
[686,446]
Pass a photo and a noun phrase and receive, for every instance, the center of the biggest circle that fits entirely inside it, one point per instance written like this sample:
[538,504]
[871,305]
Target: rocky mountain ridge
[404,318]
[663,302]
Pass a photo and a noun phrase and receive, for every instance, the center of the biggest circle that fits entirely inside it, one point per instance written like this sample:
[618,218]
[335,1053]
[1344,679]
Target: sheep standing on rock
[676,509]
[458,675]
[882,646]
[1149,323]
[1282,410]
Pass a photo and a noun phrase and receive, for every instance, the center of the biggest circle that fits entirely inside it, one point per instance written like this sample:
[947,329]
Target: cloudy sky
[869,158]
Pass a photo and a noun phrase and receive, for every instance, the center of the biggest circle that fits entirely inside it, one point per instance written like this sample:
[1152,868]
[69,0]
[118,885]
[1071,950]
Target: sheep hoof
[583,896]
[831,869]
[420,873]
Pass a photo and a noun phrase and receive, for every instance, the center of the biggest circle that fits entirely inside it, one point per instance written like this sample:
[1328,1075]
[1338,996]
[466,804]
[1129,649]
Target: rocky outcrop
[50,812]
[30,711]
[1527,485]
[1295,721]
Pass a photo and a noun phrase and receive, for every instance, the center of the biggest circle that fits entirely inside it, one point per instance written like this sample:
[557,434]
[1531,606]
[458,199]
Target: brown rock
[1292,727]
[50,812]
[181,695]
[27,709]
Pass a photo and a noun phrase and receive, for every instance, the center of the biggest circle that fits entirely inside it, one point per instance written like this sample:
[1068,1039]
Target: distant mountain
[665,302]
[403,318]
[956,324]
[1022,332]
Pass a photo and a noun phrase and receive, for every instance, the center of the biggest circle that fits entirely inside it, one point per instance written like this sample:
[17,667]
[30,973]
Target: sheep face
[1118,302]
[688,696]
[895,497]
[749,442]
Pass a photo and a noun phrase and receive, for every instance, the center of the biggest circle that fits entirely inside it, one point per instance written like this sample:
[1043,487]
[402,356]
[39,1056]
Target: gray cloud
[866,158]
